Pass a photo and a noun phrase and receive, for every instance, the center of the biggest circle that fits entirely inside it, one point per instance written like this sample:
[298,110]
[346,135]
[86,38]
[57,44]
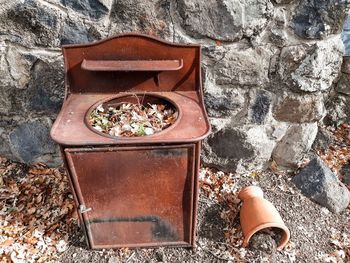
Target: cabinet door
[135,196]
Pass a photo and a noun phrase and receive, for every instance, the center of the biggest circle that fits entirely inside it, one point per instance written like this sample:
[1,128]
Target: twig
[216,256]
[225,244]
[138,100]
[143,97]
[130,257]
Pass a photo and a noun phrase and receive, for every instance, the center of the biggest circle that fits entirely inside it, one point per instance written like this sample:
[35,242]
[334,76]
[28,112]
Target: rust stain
[139,191]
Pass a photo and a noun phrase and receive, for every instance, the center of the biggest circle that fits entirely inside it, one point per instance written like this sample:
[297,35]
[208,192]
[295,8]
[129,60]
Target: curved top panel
[131,63]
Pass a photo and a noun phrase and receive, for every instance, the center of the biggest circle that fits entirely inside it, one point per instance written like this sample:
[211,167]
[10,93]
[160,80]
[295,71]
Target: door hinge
[84,209]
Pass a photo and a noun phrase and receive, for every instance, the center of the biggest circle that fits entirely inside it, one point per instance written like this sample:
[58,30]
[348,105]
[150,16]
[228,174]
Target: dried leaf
[131,120]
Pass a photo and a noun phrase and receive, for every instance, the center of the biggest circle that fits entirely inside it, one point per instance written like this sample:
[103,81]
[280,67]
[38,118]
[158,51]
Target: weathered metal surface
[136,196]
[132,65]
[71,129]
[131,47]
[133,191]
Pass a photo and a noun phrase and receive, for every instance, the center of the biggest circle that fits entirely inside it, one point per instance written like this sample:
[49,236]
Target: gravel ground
[38,223]
[317,235]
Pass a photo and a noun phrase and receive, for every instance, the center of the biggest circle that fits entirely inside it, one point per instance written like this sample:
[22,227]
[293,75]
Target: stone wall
[270,69]
[346,36]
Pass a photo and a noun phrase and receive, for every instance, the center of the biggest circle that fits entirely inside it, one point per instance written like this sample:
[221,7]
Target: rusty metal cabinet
[140,191]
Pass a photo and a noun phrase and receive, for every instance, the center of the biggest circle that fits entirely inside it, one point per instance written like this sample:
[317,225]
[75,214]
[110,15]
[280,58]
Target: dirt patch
[316,233]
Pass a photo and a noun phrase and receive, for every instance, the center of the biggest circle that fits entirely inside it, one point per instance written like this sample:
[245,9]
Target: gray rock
[260,108]
[5,150]
[317,19]
[214,19]
[94,33]
[343,85]
[338,110]
[241,67]
[113,259]
[5,100]
[346,26]
[29,141]
[277,28]
[224,20]
[32,84]
[345,67]
[296,142]
[320,184]
[217,154]
[311,68]
[231,144]
[19,64]
[4,68]
[32,22]
[223,102]
[345,171]
[150,17]
[262,143]
[289,59]
[297,109]
[318,71]
[92,8]
[74,33]
[283,1]
[241,149]
[240,105]
[346,36]
[323,139]
[46,90]
[257,14]
[278,37]
[6,81]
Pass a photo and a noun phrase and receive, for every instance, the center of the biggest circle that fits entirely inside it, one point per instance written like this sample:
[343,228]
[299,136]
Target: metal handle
[132,65]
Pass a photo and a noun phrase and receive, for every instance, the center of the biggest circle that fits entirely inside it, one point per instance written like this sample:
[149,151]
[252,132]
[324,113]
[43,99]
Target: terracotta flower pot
[257,213]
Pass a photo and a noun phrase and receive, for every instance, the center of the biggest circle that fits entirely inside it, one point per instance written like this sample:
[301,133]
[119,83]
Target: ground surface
[317,234]
[38,223]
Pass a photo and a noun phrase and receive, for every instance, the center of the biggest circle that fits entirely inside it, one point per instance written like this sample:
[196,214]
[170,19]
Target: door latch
[84,209]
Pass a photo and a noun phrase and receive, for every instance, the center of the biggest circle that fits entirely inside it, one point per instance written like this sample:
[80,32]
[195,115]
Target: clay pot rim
[251,191]
[285,237]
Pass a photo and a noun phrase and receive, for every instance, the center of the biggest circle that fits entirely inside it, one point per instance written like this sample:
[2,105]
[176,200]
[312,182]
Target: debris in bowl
[132,119]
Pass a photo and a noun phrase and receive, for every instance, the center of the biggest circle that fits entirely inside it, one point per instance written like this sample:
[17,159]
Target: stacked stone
[339,101]
[31,69]
[278,78]
[346,36]
[268,69]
